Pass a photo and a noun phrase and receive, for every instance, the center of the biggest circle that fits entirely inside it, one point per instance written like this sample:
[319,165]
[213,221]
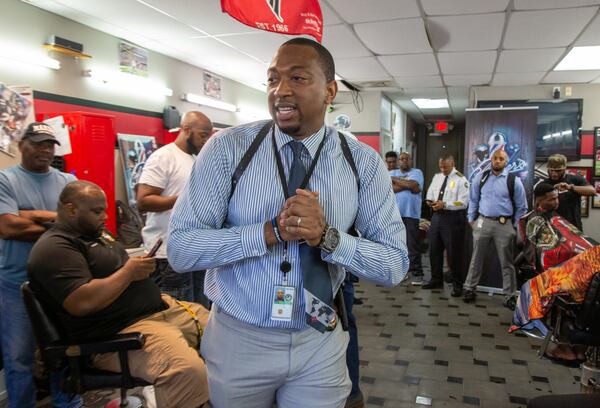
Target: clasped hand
[302,218]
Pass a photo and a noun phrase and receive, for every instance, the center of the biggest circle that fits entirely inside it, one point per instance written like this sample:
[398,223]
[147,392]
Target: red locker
[93,153]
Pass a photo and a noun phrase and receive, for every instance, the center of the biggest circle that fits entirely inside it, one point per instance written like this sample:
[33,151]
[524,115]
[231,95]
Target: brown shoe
[355,401]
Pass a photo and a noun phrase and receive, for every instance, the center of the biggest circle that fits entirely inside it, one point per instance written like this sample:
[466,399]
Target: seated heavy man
[90,284]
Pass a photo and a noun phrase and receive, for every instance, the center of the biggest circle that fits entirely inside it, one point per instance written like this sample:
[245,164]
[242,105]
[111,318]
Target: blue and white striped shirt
[227,238]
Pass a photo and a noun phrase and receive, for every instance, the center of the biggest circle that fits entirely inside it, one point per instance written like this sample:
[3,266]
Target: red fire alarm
[441,127]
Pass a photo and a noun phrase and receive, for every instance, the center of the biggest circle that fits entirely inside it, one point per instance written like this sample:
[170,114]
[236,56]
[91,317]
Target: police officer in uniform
[448,196]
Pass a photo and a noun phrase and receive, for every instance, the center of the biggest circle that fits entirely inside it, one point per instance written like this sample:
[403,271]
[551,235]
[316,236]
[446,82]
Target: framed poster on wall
[597,152]
[584,172]
[596,198]
[585,207]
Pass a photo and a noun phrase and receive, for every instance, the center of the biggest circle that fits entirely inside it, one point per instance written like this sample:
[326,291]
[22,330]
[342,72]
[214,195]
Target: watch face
[332,239]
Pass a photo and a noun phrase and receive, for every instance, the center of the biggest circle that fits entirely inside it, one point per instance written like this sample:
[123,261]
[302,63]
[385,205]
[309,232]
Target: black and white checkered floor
[422,347]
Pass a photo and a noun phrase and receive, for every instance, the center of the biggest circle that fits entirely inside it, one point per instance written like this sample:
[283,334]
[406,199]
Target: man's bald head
[196,128]
[499,161]
[82,207]
[79,190]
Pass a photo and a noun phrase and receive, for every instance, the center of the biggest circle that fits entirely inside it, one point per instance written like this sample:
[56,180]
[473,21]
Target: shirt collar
[503,174]
[311,143]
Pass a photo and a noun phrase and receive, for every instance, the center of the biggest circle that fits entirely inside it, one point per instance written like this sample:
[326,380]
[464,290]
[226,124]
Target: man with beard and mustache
[28,196]
[493,214]
[285,224]
[85,280]
[570,188]
[165,173]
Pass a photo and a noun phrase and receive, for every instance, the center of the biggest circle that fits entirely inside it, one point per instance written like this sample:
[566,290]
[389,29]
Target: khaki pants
[169,358]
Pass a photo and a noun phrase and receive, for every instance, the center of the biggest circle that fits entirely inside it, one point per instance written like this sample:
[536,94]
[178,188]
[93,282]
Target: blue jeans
[18,348]
[352,351]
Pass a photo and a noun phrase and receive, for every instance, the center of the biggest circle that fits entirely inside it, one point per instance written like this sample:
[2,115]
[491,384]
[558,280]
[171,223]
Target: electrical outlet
[568,90]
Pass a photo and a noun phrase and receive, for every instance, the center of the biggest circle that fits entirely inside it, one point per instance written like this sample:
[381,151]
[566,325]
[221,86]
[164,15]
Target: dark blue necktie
[318,294]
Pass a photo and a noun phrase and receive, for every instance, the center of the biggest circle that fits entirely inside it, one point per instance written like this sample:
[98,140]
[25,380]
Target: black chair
[73,359]
[579,323]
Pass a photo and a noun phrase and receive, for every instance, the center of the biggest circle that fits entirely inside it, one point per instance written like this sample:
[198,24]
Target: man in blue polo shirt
[407,183]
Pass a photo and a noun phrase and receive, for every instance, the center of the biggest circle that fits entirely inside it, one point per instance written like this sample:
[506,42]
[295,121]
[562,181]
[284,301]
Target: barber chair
[73,359]
[579,323]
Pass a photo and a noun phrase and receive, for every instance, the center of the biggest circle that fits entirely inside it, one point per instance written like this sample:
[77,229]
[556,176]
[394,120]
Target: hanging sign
[278,16]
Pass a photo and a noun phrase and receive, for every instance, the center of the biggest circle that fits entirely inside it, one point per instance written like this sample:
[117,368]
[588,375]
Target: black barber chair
[579,323]
[73,358]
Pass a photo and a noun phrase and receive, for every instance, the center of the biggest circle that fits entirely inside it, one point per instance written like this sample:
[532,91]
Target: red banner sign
[279,16]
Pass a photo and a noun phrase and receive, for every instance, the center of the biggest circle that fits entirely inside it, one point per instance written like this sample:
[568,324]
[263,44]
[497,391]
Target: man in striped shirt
[259,345]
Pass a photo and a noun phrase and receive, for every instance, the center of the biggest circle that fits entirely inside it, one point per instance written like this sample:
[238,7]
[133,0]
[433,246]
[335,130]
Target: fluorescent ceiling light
[546,137]
[206,101]
[430,103]
[580,58]
[31,59]
[129,82]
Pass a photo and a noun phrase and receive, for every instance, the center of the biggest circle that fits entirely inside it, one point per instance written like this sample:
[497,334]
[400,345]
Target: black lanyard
[285,266]
[309,173]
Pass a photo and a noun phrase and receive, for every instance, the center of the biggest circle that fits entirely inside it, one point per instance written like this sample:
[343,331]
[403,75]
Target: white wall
[27,27]
[590,119]
[368,120]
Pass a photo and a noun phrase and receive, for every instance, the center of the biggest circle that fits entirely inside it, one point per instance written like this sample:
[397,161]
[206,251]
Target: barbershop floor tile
[456,354]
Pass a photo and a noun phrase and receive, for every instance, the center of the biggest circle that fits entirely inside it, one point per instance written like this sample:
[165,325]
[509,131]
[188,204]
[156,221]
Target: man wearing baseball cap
[28,198]
[570,189]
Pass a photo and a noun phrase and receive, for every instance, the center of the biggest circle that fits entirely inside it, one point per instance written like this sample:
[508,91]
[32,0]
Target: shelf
[66,51]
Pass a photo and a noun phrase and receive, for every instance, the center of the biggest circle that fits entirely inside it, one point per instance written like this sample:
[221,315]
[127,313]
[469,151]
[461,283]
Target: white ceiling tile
[394,37]
[460,80]
[361,69]
[459,92]
[135,17]
[434,93]
[227,61]
[436,112]
[547,28]
[342,42]
[517,78]
[591,36]
[329,16]
[410,65]
[466,33]
[445,7]
[204,14]
[528,60]
[357,11]
[552,4]
[562,77]
[260,44]
[419,81]
[481,62]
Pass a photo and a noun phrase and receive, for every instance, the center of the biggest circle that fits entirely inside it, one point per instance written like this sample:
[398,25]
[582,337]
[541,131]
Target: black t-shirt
[62,261]
[570,202]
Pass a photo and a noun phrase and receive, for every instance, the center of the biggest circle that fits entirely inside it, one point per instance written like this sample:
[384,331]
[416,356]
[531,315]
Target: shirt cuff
[343,253]
[253,240]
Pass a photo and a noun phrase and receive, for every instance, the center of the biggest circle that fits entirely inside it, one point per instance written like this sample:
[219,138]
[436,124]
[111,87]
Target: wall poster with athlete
[135,150]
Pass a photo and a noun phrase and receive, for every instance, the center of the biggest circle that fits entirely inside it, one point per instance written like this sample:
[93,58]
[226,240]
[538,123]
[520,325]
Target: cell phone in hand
[155,248]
